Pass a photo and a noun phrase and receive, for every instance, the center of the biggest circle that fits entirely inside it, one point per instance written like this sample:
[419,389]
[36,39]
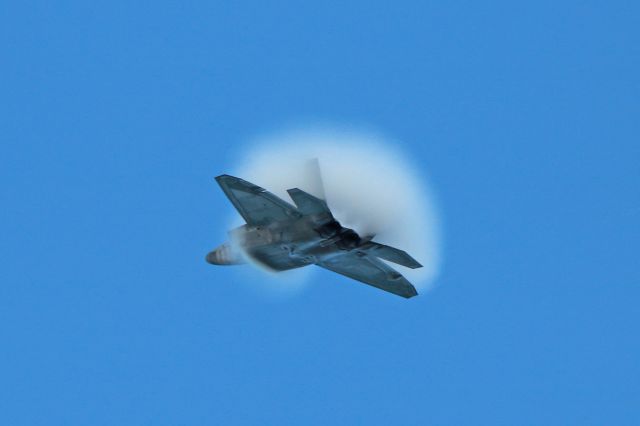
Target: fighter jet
[281,236]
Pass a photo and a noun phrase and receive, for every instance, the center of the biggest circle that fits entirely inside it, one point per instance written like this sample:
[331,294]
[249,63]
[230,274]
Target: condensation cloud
[369,186]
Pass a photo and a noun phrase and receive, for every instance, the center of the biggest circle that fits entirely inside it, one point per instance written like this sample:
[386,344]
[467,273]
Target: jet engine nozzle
[329,229]
[349,239]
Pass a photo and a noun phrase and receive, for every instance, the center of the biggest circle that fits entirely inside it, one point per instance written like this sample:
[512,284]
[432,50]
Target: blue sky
[115,118]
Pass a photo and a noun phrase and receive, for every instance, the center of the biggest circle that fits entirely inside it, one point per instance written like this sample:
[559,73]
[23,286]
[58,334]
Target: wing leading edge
[371,271]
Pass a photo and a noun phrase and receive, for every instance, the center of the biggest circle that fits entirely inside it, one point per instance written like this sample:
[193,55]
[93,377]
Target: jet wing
[391,254]
[255,204]
[370,270]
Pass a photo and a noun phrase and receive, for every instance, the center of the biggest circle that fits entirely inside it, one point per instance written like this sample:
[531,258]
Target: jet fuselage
[287,244]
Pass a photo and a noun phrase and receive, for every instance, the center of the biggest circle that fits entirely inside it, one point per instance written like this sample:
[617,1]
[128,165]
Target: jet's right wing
[391,254]
[255,204]
[370,270]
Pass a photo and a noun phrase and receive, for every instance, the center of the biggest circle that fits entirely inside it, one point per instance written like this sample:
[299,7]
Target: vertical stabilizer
[314,177]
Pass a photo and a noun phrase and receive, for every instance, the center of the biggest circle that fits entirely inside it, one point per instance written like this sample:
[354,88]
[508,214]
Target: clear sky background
[115,117]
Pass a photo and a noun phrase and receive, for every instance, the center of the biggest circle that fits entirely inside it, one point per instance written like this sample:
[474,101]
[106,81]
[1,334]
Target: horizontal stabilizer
[391,254]
[307,203]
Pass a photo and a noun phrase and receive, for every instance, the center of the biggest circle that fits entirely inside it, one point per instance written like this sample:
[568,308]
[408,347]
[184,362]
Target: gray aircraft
[281,236]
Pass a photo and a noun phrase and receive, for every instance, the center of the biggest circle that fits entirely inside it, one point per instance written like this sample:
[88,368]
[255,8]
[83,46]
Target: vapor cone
[368,185]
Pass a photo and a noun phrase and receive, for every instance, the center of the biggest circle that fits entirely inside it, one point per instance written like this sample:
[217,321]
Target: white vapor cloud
[368,185]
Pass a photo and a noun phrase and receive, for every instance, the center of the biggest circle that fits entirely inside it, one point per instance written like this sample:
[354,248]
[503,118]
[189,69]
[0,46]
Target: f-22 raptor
[282,236]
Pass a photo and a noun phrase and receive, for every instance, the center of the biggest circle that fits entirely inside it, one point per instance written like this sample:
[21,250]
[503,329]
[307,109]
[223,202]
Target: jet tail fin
[313,177]
[307,203]
[391,254]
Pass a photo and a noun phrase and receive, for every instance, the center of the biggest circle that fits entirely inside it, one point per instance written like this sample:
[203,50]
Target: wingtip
[224,177]
[412,293]
[228,180]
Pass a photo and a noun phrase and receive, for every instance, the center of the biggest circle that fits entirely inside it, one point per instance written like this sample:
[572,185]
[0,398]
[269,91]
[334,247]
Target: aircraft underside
[281,236]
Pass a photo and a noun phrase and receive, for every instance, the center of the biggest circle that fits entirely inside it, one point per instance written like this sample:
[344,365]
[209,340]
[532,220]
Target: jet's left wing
[370,270]
[255,204]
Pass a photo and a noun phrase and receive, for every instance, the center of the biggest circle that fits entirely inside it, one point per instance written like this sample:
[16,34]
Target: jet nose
[212,257]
